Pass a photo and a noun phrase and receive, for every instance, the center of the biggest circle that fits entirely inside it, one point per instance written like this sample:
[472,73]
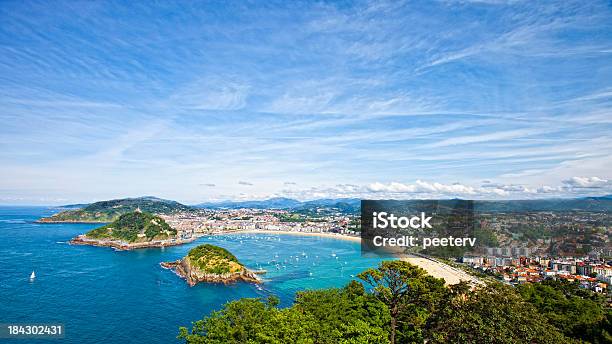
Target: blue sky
[243,100]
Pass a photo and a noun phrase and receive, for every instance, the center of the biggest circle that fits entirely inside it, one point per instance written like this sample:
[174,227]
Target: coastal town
[205,221]
[591,274]
[546,233]
[534,246]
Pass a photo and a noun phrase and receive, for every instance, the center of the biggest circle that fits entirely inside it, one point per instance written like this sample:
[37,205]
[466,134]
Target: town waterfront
[102,295]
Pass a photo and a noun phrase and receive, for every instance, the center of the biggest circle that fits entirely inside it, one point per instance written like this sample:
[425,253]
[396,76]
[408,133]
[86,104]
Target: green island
[132,230]
[399,303]
[134,227]
[214,259]
[108,211]
[209,263]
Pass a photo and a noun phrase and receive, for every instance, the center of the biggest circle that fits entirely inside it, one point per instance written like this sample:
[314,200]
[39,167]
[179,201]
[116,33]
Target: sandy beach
[451,275]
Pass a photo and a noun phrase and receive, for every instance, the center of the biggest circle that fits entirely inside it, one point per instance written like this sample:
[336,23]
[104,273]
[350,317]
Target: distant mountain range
[597,204]
[600,203]
[286,204]
[272,203]
[146,202]
[108,211]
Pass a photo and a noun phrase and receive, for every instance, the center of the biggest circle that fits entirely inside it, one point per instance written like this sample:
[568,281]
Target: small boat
[32,275]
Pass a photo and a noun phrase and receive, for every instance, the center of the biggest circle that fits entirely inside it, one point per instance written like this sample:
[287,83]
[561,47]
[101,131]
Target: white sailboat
[32,275]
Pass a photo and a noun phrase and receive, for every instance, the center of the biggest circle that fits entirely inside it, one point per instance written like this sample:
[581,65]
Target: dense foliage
[214,259]
[107,211]
[493,314]
[128,227]
[577,312]
[402,305]
[331,316]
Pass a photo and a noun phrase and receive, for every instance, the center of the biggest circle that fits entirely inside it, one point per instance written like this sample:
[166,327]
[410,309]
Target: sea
[105,296]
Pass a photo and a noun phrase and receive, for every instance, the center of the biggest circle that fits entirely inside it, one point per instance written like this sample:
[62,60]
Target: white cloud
[422,187]
[545,189]
[426,189]
[587,182]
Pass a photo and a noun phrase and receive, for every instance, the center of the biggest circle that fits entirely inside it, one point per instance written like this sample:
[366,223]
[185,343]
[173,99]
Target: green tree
[408,292]
[493,314]
[578,313]
[251,321]
[331,316]
[345,315]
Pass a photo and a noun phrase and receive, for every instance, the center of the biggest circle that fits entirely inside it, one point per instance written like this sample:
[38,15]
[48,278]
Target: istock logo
[383,220]
[401,228]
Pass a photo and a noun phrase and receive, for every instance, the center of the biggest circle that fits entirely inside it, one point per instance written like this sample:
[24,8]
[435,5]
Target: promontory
[108,211]
[132,230]
[209,263]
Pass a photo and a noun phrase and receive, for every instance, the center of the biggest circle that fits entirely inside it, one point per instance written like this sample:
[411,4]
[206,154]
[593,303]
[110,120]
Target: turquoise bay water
[102,295]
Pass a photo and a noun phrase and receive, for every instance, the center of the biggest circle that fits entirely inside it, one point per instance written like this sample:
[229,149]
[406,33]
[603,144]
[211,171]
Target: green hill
[213,259]
[134,227]
[108,211]
[213,264]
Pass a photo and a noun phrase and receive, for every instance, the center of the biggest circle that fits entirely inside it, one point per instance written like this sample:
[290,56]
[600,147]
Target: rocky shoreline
[193,276]
[125,246]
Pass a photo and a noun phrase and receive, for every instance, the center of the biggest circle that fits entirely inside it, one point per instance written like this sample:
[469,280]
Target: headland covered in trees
[132,230]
